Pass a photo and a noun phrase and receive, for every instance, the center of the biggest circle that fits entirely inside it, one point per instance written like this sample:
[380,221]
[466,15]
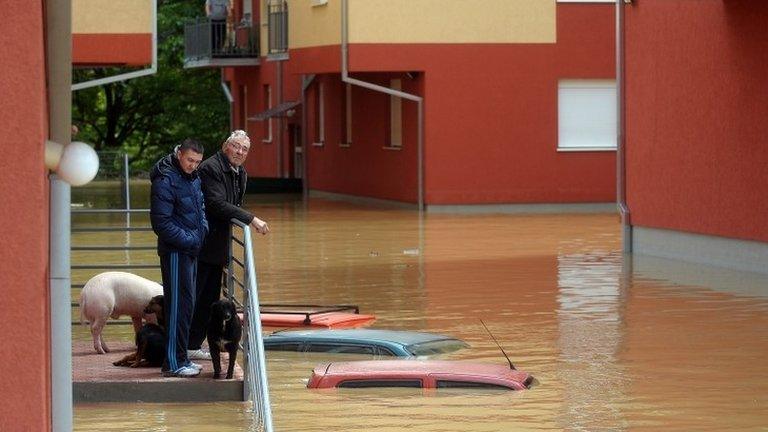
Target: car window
[385,352]
[284,346]
[340,349]
[379,383]
[436,347]
[445,384]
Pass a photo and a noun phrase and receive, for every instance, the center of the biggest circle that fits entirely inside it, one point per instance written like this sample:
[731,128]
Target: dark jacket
[223,190]
[177,209]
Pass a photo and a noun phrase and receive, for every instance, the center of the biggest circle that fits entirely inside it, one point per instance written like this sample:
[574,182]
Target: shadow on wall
[745,21]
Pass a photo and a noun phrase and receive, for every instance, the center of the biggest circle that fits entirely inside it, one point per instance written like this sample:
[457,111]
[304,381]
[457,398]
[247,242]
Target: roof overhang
[277,111]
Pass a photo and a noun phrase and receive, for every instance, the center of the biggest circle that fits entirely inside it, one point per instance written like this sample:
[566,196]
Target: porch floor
[95,379]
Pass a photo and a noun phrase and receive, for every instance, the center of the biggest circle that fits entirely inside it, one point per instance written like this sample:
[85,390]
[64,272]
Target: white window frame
[320,115]
[348,115]
[570,105]
[268,125]
[395,117]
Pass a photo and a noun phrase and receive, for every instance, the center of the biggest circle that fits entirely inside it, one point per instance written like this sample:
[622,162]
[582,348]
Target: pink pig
[112,294]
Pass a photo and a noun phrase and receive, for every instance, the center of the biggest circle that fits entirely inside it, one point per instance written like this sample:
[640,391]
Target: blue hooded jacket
[177,209]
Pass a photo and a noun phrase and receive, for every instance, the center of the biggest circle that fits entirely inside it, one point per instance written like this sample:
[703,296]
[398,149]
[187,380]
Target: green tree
[147,116]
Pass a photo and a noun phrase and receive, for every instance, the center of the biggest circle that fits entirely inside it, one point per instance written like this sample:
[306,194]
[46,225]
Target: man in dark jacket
[223,179]
[178,218]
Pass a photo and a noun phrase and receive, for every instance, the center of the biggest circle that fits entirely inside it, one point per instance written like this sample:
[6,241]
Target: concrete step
[95,379]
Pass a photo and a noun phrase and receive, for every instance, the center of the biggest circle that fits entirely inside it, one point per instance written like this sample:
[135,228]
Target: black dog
[224,332]
[150,340]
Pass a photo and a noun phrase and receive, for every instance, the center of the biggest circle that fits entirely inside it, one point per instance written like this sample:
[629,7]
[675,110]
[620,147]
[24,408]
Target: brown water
[617,344]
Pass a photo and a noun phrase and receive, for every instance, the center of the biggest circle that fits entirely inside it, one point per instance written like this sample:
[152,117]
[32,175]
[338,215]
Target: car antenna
[511,366]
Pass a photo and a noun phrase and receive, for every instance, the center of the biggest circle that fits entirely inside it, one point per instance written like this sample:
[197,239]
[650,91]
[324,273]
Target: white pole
[61,309]
[59,76]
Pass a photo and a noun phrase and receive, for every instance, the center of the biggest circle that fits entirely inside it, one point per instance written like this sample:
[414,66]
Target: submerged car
[427,374]
[363,341]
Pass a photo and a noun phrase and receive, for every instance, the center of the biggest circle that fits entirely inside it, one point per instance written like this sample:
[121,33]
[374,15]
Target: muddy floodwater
[617,343]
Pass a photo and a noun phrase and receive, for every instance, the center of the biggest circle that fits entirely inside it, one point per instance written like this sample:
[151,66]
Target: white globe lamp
[77,162]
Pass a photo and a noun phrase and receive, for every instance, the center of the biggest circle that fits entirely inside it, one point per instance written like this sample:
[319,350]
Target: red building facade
[696,129]
[490,109]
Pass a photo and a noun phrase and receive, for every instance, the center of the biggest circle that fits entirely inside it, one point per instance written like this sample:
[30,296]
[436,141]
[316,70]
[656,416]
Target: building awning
[276,111]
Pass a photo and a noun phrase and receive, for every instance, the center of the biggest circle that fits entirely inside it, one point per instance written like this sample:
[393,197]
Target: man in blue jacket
[178,218]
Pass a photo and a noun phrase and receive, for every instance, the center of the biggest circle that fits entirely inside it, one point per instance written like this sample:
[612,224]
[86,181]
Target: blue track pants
[179,273]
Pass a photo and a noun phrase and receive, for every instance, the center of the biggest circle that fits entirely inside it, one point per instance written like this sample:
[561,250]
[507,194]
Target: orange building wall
[24,314]
[111,49]
[112,33]
[696,116]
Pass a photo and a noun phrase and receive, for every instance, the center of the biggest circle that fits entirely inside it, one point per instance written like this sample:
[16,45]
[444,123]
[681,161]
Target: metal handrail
[231,40]
[108,211]
[256,388]
[110,229]
[114,266]
[111,248]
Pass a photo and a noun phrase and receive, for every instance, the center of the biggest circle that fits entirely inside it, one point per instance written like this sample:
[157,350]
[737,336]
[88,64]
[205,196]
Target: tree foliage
[147,116]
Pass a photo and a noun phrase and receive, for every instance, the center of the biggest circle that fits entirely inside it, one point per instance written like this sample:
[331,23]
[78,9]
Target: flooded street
[616,343]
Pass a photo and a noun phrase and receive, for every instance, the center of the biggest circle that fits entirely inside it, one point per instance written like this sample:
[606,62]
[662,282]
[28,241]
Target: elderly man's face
[189,160]
[236,151]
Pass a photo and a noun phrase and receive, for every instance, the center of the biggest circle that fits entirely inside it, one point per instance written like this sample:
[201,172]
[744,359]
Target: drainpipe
[621,173]
[306,81]
[59,69]
[279,82]
[418,99]
[228,95]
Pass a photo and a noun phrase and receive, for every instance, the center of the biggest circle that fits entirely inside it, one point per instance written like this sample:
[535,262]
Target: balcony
[220,44]
[278,30]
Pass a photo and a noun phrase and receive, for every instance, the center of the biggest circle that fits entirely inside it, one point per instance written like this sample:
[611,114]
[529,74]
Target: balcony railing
[218,43]
[278,29]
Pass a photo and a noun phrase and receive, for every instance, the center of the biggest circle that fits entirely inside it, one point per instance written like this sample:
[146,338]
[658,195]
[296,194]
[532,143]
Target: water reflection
[590,336]
[614,347]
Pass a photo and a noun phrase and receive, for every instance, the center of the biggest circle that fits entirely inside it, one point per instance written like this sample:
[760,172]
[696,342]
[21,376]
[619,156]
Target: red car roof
[330,375]
[329,320]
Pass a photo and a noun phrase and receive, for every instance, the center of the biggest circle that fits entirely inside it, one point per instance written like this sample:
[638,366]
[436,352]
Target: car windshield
[436,347]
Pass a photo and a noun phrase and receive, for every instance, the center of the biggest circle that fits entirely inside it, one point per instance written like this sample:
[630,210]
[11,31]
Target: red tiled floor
[88,366]
[96,380]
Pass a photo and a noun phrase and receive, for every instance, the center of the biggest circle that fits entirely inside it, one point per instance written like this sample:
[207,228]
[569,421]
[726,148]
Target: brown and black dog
[224,332]
[150,340]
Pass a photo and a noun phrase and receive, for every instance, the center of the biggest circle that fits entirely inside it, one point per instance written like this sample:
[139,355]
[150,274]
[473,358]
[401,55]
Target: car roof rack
[308,310]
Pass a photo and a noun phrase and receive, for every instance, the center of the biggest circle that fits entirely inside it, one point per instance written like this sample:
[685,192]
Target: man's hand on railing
[259,225]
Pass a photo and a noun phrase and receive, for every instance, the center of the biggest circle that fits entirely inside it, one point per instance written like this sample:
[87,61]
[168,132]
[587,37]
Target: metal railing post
[256,386]
[230,268]
[207,36]
[127,189]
